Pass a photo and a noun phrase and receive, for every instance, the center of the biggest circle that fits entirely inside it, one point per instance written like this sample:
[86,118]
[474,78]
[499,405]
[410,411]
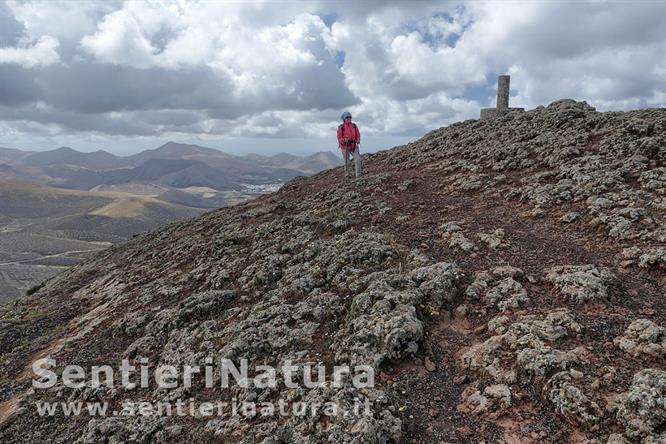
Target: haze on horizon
[271,77]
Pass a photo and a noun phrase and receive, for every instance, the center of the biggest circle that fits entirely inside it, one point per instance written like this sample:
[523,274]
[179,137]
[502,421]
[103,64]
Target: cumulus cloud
[41,53]
[603,52]
[287,69]
[65,20]
[124,36]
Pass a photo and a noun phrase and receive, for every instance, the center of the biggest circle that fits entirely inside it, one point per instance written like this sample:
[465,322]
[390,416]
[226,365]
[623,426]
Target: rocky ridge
[505,280]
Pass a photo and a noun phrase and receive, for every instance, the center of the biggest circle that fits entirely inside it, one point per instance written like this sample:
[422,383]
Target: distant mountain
[99,160]
[172,165]
[173,150]
[310,164]
[9,155]
[66,176]
[323,160]
[166,173]
[185,173]
[154,169]
[283,159]
[102,160]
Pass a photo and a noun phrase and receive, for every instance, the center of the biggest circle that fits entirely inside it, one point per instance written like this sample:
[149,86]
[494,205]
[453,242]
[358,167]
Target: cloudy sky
[273,76]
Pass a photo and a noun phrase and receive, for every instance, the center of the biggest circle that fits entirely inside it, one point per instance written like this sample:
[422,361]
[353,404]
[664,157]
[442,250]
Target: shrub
[34,289]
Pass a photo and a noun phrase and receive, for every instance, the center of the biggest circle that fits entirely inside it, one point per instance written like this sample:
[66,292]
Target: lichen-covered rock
[404,186]
[494,240]
[653,257]
[437,282]
[544,196]
[623,223]
[581,283]
[616,438]
[507,293]
[623,215]
[499,287]
[452,233]
[498,324]
[494,399]
[569,400]
[571,216]
[642,409]
[382,325]
[630,253]
[382,321]
[528,342]
[643,338]
[116,430]
[654,180]
[466,181]
[417,259]
[377,425]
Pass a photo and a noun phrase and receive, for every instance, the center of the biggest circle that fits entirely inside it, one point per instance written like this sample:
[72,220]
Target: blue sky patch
[329,18]
[339,58]
[433,37]
[484,94]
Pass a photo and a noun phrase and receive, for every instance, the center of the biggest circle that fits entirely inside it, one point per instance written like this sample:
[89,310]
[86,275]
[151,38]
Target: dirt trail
[8,410]
[65,253]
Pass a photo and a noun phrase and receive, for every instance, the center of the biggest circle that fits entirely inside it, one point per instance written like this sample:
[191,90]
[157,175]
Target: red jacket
[351,133]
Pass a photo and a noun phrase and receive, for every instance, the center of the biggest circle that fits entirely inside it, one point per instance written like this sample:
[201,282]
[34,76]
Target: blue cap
[345,115]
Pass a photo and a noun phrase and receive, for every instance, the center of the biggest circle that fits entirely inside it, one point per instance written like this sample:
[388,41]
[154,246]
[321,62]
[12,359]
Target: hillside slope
[45,230]
[505,279]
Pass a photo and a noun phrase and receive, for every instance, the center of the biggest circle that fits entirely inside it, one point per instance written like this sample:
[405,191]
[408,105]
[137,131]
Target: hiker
[349,138]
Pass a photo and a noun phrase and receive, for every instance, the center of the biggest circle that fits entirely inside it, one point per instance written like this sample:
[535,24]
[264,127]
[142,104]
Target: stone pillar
[503,92]
[502,101]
